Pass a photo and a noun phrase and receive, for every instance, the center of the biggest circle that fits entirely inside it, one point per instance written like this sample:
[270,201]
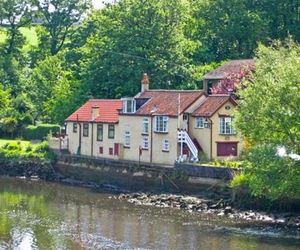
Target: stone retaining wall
[146,176]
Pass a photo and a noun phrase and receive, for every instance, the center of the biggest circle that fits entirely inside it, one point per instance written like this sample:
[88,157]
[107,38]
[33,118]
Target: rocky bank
[219,207]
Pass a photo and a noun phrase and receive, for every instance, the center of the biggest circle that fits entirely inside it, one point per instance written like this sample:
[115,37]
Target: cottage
[93,129]
[150,122]
[160,126]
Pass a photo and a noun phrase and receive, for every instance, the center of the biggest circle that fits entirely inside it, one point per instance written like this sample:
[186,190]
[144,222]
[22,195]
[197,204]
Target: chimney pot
[145,83]
[95,112]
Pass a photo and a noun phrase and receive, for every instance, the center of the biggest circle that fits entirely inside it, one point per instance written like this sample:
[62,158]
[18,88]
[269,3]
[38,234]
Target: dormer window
[128,105]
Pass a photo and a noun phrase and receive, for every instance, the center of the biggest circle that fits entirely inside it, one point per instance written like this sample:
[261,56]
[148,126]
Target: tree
[228,29]
[133,37]
[14,14]
[5,102]
[271,98]
[269,117]
[53,90]
[58,18]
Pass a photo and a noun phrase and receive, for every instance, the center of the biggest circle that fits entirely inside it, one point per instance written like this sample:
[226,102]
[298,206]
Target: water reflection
[39,215]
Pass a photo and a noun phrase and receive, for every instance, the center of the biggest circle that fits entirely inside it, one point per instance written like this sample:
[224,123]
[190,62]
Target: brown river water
[41,215]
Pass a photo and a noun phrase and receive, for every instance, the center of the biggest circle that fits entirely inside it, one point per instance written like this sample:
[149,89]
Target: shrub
[40,131]
[42,147]
[269,175]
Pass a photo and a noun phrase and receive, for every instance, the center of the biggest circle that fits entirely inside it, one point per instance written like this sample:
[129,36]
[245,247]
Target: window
[162,124]
[85,129]
[226,126]
[111,131]
[145,142]
[127,139]
[75,127]
[128,105]
[200,122]
[100,132]
[100,150]
[165,145]
[111,151]
[146,125]
[226,148]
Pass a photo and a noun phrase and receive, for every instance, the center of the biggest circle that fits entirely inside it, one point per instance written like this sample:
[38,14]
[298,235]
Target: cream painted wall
[73,138]
[106,143]
[223,138]
[134,124]
[86,142]
[203,135]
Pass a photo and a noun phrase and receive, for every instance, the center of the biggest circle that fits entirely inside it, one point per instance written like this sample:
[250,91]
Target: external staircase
[183,137]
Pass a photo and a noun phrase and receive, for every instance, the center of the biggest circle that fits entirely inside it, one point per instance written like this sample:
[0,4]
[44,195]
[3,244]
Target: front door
[185,124]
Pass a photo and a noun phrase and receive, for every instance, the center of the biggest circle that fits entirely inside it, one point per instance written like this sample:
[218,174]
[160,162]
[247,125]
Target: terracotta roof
[166,102]
[212,104]
[108,111]
[231,67]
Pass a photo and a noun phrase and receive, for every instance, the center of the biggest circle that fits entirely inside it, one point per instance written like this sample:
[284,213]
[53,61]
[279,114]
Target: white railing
[183,137]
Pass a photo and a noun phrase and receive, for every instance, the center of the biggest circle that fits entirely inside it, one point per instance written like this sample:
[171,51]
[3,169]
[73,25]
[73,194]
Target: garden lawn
[23,143]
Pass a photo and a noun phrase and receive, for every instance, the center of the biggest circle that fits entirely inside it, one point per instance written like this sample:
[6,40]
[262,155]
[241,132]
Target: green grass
[28,32]
[5,141]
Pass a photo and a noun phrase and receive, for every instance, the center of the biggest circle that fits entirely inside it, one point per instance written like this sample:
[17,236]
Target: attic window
[227,107]
[128,105]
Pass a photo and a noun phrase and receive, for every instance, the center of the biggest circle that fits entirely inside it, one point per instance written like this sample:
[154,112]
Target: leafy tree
[269,117]
[58,18]
[227,29]
[266,174]
[54,91]
[282,18]
[5,102]
[14,14]
[133,37]
[271,98]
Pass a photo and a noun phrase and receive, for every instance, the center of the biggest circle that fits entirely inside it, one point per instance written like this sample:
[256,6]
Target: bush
[42,147]
[269,175]
[40,131]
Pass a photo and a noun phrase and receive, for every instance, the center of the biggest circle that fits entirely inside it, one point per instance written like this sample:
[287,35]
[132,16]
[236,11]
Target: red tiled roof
[231,67]
[167,102]
[108,111]
[212,104]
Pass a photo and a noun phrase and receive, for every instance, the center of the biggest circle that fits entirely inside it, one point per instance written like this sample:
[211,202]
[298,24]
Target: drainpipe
[211,128]
[92,140]
[79,139]
[151,138]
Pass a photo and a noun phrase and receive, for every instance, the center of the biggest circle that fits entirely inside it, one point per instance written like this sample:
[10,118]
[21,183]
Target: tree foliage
[269,117]
[271,97]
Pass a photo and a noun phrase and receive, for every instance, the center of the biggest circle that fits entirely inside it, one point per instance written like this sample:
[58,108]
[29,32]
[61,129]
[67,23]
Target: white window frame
[161,124]
[126,107]
[165,145]
[226,126]
[127,139]
[200,121]
[145,142]
[145,125]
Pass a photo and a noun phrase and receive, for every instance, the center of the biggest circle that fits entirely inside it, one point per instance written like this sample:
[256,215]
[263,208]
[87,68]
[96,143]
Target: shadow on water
[40,215]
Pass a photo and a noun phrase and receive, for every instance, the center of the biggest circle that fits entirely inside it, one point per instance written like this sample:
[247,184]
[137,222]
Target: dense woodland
[56,54]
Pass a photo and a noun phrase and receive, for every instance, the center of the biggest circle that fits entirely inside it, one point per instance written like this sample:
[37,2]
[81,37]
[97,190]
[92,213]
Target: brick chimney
[145,83]
[95,112]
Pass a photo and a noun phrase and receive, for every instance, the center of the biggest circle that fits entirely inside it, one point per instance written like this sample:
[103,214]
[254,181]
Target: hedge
[40,131]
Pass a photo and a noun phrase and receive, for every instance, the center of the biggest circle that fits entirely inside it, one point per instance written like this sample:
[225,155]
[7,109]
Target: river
[41,215]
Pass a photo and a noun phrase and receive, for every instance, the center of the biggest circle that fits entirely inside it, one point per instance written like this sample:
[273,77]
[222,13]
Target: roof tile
[231,67]
[211,105]
[108,111]
[167,102]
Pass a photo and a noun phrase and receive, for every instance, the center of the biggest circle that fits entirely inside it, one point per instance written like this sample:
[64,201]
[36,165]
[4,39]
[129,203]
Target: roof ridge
[174,90]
